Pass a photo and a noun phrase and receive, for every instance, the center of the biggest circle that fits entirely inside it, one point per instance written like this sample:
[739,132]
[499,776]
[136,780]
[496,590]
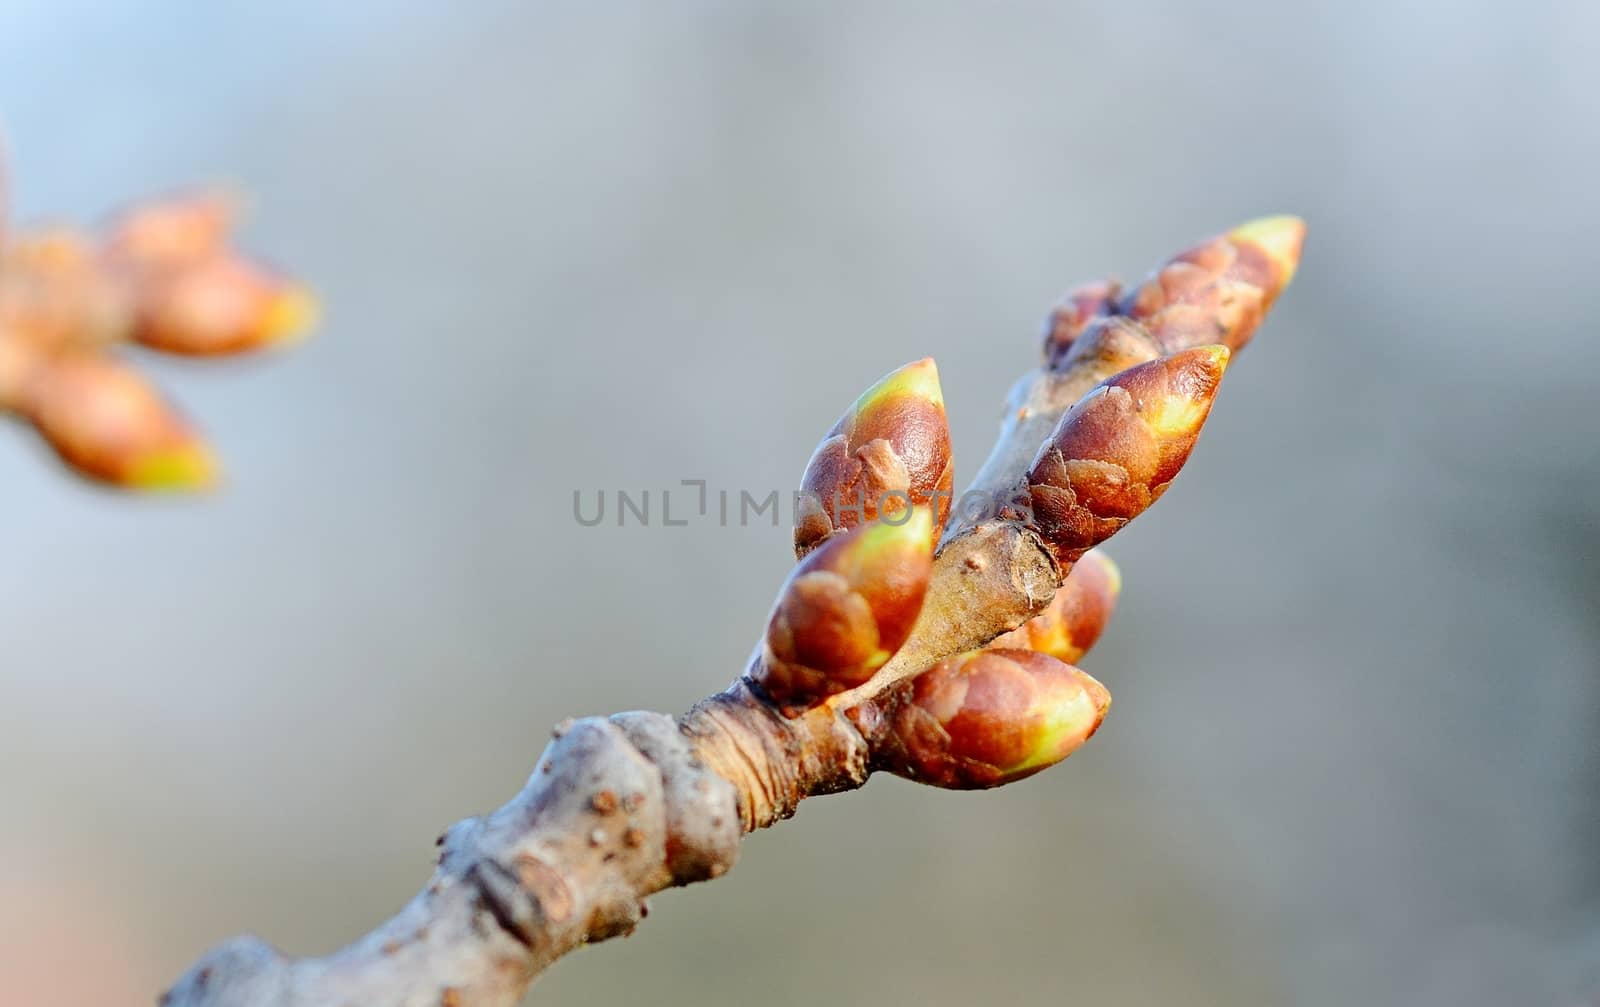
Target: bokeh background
[602,246]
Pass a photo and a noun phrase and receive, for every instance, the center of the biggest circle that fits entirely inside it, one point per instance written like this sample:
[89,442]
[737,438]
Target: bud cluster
[1217,292]
[162,276]
[1143,368]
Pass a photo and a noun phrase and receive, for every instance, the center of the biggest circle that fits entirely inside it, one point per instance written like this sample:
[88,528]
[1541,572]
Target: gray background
[597,246]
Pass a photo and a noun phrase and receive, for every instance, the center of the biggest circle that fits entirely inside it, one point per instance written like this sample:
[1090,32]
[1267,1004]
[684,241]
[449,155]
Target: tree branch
[620,808]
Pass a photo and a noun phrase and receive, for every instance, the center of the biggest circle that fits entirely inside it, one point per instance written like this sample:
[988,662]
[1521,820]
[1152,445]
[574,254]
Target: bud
[891,446]
[1219,291]
[1113,454]
[220,305]
[104,420]
[845,610]
[1068,320]
[987,718]
[175,231]
[1075,617]
[1109,345]
[188,292]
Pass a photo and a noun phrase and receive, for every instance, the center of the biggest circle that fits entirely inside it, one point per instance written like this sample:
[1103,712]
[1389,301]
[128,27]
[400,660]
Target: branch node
[702,810]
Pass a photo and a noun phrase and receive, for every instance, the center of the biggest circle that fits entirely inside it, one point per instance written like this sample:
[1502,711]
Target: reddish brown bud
[1068,319]
[1113,454]
[107,422]
[170,232]
[218,306]
[845,610]
[1076,617]
[163,278]
[892,448]
[188,292]
[987,718]
[1219,291]
[1109,345]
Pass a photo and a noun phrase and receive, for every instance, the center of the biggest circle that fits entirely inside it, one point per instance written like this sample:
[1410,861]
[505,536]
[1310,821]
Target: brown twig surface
[867,664]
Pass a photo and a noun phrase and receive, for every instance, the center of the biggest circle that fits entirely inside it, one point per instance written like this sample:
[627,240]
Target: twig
[858,669]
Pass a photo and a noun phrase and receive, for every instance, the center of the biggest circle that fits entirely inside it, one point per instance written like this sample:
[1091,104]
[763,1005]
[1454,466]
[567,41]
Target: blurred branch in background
[161,275]
[885,650]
